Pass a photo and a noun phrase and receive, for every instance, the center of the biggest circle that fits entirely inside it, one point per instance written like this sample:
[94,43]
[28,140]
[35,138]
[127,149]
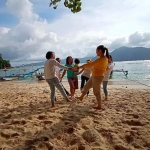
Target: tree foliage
[4,63]
[73,5]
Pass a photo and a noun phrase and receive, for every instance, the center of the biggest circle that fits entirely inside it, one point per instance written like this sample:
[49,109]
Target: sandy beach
[27,121]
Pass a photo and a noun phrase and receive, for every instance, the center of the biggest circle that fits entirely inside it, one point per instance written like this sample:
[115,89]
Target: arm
[109,67]
[64,72]
[56,63]
[89,64]
[80,72]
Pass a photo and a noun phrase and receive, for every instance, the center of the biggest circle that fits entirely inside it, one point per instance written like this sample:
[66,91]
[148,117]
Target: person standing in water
[99,67]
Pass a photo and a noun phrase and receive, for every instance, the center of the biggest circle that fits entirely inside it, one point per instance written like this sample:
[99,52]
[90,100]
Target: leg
[86,81]
[71,84]
[87,86]
[82,82]
[52,88]
[55,98]
[105,89]
[75,84]
[96,82]
[58,85]
[65,89]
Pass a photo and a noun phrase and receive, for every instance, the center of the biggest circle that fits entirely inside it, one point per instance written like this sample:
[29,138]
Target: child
[86,73]
[76,61]
[107,75]
[51,78]
[57,71]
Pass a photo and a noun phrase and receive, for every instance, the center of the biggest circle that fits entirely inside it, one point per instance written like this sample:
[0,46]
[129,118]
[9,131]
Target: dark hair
[57,59]
[76,61]
[67,59]
[111,58]
[49,54]
[103,49]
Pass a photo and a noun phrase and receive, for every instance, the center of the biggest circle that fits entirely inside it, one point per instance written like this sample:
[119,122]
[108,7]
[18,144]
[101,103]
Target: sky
[30,28]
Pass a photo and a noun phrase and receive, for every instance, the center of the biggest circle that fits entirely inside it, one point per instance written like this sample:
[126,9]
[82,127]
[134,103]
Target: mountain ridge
[120,54]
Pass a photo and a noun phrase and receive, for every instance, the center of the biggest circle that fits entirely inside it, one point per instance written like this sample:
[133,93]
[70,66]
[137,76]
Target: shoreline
[111,84]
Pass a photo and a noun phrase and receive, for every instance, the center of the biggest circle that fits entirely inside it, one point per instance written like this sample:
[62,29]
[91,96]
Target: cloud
[118,43]
[140,39]
[3,30]
[23,9]
[112,23]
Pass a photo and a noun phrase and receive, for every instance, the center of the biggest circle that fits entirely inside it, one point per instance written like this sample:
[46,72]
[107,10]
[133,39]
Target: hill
[63,61]
[120,54]
[131,54]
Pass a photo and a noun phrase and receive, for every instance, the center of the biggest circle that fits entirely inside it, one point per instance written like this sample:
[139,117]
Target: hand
[75,73]
[72,69]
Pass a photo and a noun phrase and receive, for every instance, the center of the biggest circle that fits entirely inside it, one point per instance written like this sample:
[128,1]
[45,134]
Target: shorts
[73,82]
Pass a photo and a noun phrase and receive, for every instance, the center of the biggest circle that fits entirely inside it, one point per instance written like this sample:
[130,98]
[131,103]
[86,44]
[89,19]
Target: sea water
[138,72]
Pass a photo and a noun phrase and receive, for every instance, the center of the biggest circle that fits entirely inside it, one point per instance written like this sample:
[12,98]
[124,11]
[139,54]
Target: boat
[8,78]
[40,77]
[125,72]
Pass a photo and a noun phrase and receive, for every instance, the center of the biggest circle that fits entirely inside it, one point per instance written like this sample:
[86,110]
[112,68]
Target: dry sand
[28,122]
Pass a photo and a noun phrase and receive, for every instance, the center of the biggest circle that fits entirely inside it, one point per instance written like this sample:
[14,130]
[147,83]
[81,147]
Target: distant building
[0,55]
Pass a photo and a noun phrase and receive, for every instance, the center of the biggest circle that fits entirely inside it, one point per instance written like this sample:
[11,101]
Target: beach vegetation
[4,63]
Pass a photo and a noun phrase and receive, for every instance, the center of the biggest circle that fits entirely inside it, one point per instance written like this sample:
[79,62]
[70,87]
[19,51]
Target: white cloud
[112,23]
[142,39]
[3,30]
[23,9]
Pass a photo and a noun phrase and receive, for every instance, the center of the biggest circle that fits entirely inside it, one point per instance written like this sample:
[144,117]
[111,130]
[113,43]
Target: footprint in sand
[41,117]
[133,122]
[7,116]
[22,122]
[8,133]
[136,116]
[47,122]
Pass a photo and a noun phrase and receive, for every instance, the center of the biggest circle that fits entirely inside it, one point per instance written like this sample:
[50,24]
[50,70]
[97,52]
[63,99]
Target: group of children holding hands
[99,68]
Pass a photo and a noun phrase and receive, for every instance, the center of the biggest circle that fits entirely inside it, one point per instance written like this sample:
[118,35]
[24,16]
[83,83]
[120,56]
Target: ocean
[138,72]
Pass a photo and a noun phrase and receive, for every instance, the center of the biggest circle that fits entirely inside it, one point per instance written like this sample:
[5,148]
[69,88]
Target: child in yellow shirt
[77,62]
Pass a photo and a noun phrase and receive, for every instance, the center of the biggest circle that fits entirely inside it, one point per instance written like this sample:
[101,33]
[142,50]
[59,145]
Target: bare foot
[53,105]
[105,99]
[79,98]
[69,100]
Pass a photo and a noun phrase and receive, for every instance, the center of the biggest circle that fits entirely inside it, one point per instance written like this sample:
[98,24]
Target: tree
[73,5]
[4,63]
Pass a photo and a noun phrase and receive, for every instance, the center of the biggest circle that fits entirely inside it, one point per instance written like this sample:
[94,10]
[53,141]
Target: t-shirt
[57,71]
[107,73]
[87,72]
[99,66]
[76,65]
[49,68]
[70,74]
